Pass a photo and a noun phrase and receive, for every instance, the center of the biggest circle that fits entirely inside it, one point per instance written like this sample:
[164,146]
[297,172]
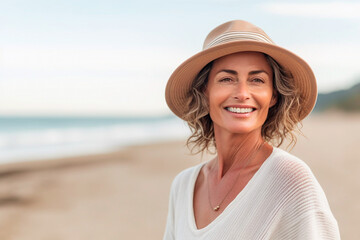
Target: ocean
[35,138]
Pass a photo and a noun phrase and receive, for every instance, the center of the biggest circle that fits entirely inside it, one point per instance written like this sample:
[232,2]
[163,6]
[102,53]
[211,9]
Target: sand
[124,194]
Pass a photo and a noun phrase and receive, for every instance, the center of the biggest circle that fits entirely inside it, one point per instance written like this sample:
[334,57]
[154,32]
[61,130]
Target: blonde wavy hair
[282,121]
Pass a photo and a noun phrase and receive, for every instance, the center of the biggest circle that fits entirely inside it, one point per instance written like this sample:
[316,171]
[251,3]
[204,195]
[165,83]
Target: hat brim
[179,83]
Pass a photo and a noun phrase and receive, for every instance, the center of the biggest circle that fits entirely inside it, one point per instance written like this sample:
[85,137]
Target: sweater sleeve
[170,222]
[316,225]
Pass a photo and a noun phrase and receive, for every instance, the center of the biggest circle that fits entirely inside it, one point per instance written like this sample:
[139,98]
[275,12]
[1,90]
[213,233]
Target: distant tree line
[343,100]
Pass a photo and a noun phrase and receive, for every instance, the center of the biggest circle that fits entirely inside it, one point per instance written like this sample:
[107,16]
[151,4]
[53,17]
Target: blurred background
[88,147]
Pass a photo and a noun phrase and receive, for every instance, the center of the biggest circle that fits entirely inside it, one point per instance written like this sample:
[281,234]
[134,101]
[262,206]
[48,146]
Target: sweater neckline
[227,210]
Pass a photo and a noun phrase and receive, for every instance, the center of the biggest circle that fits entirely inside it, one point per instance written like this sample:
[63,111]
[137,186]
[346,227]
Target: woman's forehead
[240,60]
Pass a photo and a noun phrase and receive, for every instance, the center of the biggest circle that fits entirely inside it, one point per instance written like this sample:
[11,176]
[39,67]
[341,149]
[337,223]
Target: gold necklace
[248,161]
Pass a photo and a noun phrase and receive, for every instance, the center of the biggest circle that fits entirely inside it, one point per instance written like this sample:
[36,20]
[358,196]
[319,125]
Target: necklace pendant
[216,208]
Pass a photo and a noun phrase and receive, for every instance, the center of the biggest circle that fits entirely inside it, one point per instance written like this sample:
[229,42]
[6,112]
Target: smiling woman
[241,95]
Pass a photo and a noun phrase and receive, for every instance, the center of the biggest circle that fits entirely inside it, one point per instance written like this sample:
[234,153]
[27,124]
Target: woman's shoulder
[186,176]
[299,198]
[289,165]
[293,177]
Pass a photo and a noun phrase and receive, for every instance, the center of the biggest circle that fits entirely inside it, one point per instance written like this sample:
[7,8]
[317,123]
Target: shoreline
[85,156]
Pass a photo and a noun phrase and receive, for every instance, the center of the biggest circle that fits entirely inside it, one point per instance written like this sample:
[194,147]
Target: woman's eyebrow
[228,71]
[258,71]
[250,73]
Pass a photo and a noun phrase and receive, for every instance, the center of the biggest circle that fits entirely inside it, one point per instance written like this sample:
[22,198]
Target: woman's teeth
[239,110]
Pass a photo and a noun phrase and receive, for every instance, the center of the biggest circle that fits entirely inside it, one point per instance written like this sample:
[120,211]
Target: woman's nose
[241,91]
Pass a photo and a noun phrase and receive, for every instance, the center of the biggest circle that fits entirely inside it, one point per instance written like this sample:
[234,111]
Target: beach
[124,194]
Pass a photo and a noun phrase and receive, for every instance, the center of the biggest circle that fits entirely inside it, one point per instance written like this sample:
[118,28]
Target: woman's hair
[282,119]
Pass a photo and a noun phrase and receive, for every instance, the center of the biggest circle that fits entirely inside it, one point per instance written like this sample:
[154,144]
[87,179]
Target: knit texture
[283,200]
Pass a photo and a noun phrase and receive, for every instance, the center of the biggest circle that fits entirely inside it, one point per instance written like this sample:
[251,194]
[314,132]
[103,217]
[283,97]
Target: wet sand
[124,195]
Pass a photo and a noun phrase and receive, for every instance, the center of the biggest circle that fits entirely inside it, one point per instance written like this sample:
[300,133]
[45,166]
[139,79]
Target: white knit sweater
[283,200]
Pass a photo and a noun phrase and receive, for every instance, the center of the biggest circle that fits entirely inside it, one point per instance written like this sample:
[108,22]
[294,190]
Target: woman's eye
[225,80]
[258,80]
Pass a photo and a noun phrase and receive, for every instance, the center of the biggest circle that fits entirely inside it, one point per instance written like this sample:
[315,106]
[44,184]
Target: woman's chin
[242,130]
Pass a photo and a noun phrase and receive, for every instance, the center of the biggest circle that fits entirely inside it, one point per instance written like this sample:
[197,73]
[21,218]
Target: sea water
[34,138]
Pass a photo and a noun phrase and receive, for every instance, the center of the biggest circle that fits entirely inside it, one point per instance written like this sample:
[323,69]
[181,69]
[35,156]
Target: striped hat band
[238,36]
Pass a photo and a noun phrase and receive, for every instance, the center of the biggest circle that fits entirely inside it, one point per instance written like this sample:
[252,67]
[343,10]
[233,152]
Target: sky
[114,57]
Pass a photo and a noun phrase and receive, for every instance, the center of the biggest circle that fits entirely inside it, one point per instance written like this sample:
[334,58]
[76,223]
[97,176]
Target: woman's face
[240,92]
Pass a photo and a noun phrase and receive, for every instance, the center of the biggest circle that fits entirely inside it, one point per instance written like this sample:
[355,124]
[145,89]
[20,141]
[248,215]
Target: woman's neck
[235,150]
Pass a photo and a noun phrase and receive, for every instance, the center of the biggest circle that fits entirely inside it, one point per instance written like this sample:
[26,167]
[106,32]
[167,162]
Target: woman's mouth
[240,110]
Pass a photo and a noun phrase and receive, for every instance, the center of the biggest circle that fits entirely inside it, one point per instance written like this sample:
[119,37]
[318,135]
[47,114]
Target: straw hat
[239,36]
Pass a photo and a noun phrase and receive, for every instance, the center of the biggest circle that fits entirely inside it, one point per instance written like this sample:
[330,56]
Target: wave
[62,140]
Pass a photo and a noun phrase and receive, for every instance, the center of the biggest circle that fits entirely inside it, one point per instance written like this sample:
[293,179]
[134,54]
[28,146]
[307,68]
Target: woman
[238,95]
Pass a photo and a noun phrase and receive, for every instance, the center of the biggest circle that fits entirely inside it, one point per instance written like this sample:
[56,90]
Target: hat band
[236,36]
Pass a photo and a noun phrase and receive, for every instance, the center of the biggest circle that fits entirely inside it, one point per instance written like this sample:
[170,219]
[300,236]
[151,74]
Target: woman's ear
[206,92]
[274,99]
